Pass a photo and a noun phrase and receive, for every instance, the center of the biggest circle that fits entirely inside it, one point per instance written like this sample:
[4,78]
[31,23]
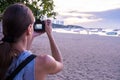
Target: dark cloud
[110,19]
[109,15]
[75,11]
[69,16]
[113,14]
[92,16]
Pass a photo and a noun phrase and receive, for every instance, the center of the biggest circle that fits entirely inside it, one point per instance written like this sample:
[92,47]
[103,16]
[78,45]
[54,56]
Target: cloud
[113,14]
[76,17]
[110,19]
[89,13]
[76,20]
[75,14]
[104,19]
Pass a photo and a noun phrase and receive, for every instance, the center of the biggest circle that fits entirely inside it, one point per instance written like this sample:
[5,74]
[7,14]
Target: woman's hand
[35,34]
[48,29]
[48,26]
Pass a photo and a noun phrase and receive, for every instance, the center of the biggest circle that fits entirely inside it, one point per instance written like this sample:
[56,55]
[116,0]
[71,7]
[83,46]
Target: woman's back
[27,73]
[18,30]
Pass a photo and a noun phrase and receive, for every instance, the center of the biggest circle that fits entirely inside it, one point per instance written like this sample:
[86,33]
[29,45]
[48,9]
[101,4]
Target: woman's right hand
[48,27]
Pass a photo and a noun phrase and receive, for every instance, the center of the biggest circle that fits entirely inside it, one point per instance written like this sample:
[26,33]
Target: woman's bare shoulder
[44,59]
[48,64]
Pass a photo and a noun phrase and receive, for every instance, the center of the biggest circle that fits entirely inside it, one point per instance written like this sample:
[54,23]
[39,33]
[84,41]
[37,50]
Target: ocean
[94,31]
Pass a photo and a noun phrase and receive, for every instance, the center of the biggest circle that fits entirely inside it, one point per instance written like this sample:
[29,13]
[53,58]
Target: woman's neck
[20,46]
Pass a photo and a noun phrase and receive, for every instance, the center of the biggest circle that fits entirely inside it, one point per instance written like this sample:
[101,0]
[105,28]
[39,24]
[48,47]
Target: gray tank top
[27,73]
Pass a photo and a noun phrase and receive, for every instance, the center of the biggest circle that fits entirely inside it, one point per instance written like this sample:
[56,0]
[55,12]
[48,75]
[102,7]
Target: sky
[89,13]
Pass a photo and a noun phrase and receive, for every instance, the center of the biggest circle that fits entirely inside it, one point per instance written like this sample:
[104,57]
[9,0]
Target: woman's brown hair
[15,20]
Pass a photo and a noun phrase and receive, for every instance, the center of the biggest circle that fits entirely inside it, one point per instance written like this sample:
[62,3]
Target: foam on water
[77,31]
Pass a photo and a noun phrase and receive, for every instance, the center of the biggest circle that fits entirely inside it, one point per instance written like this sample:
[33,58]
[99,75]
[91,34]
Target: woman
[18,34]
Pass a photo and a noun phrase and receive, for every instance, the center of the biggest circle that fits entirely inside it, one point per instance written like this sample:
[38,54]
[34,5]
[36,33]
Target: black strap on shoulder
[20,67]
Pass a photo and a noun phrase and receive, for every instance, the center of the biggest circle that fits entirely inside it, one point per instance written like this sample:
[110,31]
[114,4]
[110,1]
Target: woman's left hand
[35,34]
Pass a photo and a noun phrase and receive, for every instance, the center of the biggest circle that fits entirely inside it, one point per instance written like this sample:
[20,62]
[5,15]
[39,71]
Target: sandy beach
[85,57]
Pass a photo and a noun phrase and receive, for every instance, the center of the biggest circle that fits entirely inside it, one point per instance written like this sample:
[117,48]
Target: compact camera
[39,25]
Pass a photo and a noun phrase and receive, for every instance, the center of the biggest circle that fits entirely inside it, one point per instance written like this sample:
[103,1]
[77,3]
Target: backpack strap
[20,67]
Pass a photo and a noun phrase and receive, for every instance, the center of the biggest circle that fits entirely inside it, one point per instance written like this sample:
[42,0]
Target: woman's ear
[30,29]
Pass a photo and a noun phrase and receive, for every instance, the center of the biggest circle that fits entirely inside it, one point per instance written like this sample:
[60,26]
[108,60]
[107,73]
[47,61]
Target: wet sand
[85,57]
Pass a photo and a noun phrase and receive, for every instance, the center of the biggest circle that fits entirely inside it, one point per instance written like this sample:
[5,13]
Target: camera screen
[38,26]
